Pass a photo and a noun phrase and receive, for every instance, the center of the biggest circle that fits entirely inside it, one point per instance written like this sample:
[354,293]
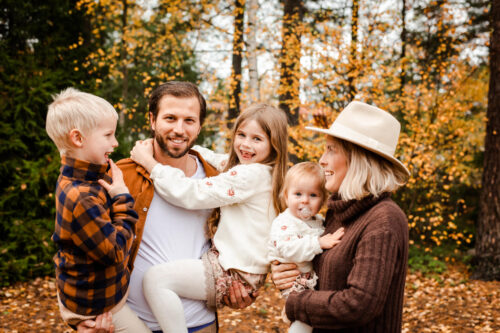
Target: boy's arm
[219,161]
[106,237]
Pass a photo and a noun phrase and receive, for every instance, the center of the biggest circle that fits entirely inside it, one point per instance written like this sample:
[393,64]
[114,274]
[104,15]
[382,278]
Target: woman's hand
[283,275]
[118,185]
[142,154]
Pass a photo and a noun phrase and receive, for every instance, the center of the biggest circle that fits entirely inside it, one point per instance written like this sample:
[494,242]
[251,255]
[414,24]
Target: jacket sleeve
[366,291]
[219,161]
[105,238]
[234,186]
[290,245]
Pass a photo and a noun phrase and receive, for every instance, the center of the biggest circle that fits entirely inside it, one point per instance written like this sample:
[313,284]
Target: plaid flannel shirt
[93,234]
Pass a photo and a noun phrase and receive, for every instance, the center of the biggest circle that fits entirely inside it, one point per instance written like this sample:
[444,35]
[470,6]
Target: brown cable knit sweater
[361,280]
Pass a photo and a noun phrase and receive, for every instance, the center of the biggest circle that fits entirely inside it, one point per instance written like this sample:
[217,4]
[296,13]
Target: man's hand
[142,154]
[118,186]
[330,240]
[102,324]
[239,297]
[283,275]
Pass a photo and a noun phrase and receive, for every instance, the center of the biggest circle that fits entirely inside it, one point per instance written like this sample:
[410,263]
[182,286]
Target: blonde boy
[95,219]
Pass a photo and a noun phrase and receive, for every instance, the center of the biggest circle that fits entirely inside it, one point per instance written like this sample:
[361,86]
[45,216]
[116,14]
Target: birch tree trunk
[253,84]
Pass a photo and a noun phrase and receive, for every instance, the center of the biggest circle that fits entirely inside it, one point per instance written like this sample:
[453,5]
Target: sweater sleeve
[290,245]
[219,161]
[106,238]
[234,186]
[365,293]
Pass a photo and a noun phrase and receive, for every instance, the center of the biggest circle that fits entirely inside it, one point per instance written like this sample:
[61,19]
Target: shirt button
[145,209]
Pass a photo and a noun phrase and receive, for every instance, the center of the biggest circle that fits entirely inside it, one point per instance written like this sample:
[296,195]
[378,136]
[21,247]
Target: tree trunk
[487,257]
[402,76]
[124,63]
[235,89]
[253,84]
[351,88]
[289,61]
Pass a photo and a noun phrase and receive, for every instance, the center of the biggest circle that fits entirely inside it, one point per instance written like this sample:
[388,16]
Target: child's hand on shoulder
[143,154]
[118,185]
[330,240]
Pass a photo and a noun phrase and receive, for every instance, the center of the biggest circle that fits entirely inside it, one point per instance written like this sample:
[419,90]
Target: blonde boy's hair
[74,109]
[367,173]
[309,170]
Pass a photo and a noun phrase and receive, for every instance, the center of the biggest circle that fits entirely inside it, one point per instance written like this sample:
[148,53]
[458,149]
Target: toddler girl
[296,233]
[247,193]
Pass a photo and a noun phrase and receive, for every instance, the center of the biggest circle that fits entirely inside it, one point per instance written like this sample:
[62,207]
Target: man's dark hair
[178,89]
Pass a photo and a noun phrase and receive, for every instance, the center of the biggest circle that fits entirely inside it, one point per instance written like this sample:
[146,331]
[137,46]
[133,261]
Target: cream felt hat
[369,127]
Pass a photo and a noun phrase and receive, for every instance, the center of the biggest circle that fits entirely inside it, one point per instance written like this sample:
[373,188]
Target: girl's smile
[251,143]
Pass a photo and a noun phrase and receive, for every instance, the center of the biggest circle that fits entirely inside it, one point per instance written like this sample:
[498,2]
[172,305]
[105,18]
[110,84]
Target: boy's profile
[95,219]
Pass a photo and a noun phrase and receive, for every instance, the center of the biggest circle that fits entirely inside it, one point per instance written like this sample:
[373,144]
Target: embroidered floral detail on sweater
[233,173]
[209,183]
[230,192]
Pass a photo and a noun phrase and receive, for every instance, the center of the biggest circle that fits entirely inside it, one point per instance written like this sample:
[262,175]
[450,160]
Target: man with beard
[166,232]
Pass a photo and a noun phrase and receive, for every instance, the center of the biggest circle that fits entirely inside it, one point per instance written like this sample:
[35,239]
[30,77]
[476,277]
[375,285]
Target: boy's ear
[76,138]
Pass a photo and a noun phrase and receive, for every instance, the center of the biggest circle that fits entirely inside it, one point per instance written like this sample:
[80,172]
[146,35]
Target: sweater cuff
[290,305]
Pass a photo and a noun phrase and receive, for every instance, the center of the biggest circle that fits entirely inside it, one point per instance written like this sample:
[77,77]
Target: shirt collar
[83,170]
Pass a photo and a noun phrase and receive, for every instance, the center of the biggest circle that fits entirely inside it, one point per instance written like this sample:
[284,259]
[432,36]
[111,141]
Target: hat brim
[397,163]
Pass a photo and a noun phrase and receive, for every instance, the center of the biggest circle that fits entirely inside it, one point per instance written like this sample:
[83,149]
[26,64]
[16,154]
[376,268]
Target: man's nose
[179,126]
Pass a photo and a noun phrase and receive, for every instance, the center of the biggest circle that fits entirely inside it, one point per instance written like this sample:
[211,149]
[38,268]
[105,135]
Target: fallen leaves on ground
[448,302]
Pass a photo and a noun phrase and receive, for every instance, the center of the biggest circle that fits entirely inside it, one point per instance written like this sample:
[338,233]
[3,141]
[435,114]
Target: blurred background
[426,62]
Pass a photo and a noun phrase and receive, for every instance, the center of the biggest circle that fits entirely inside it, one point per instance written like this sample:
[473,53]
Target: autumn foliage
[433,78]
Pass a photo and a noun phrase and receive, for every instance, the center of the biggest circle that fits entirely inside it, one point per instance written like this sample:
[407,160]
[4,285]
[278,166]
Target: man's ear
[151,121]
[76,138]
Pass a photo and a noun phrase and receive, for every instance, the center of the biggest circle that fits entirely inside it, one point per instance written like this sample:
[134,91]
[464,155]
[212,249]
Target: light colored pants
[162,286]
[299,327]
[124,319]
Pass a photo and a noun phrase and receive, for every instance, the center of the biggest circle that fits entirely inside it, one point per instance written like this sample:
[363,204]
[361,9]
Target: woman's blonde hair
[308,170]
[367,173]
[74,109]
[273,122]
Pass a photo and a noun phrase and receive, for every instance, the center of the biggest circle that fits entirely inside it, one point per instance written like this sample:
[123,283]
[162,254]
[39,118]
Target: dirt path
[447,303]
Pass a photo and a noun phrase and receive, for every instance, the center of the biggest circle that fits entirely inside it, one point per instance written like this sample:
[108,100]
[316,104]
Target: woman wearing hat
[361,280]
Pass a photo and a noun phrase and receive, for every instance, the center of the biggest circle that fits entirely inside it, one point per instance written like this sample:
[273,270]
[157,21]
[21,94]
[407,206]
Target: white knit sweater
[244,194]
[293,240]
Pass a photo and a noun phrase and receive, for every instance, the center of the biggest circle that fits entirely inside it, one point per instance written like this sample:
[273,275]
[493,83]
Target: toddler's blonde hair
[74,109]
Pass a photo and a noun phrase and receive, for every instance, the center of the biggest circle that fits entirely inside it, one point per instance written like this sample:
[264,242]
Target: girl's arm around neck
[237,185]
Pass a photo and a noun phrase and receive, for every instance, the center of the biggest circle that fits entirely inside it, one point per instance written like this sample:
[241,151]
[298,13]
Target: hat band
[356,137]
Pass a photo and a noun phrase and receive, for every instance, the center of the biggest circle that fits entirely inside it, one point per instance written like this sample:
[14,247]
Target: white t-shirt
[170,233]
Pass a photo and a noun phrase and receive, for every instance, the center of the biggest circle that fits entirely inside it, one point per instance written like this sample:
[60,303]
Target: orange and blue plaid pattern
[93,234]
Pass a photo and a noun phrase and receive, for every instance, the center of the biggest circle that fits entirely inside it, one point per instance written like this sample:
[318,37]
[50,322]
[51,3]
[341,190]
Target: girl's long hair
[273,122]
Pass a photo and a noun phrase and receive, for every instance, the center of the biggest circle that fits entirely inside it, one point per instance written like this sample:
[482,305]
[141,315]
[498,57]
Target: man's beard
[170,153]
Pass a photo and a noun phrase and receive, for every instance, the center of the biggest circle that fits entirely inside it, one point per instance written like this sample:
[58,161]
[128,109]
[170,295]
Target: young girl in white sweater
[247,193]
[296,234]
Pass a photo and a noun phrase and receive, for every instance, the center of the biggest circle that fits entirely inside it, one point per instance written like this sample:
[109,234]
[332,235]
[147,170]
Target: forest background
[424,61]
